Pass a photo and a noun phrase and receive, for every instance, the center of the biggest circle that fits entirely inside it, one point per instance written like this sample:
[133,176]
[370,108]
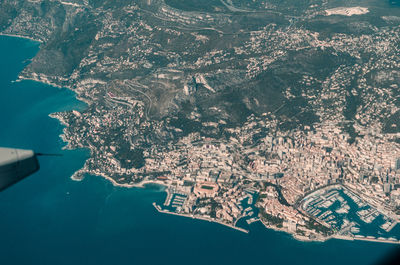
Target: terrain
[223,101]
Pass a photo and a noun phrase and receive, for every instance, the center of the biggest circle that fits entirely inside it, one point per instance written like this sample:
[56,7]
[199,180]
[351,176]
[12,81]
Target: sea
[50,219]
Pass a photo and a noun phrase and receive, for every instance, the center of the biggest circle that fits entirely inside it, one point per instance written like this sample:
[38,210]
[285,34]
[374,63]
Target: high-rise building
[386,187]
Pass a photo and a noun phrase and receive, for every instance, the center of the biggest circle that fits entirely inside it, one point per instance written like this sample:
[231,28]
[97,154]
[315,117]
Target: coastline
[142,184]
[294,236]
[158,208]
[125,224]
[46,80]
[340,237]
[20,36]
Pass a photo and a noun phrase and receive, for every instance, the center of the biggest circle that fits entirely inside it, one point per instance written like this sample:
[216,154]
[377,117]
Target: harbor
[349,216]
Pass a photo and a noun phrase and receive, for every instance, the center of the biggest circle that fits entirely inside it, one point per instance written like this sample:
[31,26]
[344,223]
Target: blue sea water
[394,2]
[50,219]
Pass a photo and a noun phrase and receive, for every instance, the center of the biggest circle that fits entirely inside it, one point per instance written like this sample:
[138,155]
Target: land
[284,112]
[347,11]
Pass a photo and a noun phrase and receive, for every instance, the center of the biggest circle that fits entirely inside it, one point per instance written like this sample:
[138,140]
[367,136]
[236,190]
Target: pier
[369,238]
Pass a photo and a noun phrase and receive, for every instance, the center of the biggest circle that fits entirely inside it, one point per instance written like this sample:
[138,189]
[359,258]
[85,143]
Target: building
[397,166]
[206,189]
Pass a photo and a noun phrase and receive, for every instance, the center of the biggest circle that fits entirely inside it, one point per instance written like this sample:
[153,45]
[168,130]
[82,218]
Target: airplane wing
[16,164]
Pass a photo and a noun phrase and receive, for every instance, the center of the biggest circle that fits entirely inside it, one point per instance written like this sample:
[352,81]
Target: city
[273,178]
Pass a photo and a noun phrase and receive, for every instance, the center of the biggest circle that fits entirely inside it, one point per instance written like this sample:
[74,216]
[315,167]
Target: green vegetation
[300,232]
[262,196]
[129,158]
[397,210]
[319,228]
[203,6]
[207,187]
[202,202]
[374,179]
[270,219]
[188,183]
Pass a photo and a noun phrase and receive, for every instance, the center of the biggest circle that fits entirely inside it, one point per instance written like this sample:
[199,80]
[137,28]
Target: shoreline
[158,208]
[20,36]
[46,80]
[339,237]
[293,236]
[142,184]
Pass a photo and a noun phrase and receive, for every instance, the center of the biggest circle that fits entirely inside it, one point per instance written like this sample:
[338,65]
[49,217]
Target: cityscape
[284,113]
[288,181]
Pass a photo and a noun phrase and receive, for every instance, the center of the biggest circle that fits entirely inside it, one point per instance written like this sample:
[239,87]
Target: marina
[349,215]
